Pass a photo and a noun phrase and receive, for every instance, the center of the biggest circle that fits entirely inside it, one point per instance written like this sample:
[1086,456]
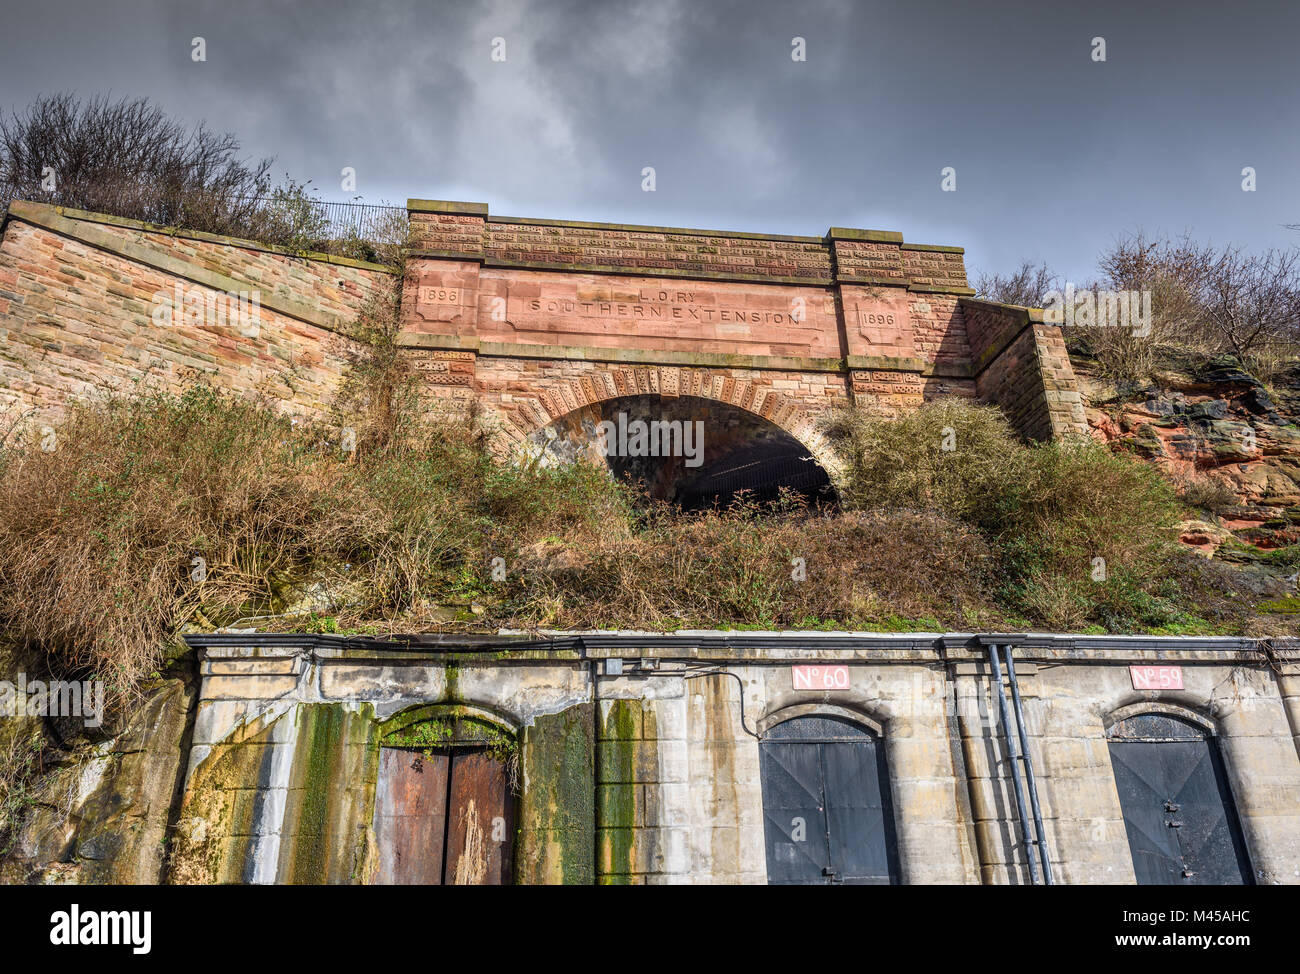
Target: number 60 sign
[832,677]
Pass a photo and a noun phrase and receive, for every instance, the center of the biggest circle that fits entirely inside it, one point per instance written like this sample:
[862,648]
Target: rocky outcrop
[1229,444]
[100,813]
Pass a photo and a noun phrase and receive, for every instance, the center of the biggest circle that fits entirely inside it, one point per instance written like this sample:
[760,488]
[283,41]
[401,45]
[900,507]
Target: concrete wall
[1069,708]
[652,775]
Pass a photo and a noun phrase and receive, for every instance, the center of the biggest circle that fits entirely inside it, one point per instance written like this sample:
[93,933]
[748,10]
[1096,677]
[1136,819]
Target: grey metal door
[827,815]
[1178,811]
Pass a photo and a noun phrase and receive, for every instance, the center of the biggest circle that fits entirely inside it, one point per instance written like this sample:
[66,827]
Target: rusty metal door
[1178,810]
[411,816]
[826,806]
[480,829]
[443,816]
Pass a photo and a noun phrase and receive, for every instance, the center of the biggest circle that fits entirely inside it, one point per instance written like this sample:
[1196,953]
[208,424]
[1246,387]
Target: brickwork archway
[531,408]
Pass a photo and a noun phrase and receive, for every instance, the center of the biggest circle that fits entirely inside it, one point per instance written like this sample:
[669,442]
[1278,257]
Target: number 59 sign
[834,677]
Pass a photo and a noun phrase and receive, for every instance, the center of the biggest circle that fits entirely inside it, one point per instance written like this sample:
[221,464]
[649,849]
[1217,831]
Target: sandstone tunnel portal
[694,452]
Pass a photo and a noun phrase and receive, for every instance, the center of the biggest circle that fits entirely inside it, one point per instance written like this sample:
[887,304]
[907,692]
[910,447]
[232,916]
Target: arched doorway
[444,800]
[692,451]
[827,813]
[1178,810]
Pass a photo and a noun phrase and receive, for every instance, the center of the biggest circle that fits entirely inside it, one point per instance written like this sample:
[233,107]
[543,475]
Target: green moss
[557,809]
[320,738]
[452,672]
[626,751]
[1286,605]
[425,735]
[330,794]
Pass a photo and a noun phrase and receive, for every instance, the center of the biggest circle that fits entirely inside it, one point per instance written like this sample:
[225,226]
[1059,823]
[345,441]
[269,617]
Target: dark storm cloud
[1055,154]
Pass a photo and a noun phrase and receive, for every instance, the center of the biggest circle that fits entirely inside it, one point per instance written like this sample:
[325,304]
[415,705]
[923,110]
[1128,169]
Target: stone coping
[460,208]
[742,647]
[1034,315]
[869,236]
[453,207]
[32,212]
[642,228]
[49,218]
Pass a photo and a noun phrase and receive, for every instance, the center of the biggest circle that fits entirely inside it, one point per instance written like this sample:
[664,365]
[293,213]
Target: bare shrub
[1205,491]
[1252,301]
[1025,287]
[1205,299]
[127,157]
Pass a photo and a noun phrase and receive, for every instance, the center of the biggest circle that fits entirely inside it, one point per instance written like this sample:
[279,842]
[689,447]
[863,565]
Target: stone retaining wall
[662,777]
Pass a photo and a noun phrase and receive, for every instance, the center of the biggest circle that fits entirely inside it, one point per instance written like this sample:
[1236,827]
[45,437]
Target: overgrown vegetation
[156,510]
[1206,300]
[745,567]
[159,511]
[128,158]
[20,766]
[1080,536]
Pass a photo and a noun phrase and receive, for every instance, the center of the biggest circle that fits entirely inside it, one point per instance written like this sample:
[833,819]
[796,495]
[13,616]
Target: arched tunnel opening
[692,452]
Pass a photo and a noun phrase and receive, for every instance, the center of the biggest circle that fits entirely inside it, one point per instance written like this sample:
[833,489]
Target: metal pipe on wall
[1029,769]
[1012,758]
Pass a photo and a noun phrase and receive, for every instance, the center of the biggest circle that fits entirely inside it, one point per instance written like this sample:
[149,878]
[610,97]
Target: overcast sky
[1055,154]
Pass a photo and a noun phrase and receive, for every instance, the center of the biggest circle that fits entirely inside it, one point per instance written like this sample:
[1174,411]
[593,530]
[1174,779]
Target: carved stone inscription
[657,304]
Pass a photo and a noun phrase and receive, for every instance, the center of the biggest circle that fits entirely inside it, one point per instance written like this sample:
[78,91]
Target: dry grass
[1205,492]
[737,567]
[98,539]
[1080,534]
[21,747]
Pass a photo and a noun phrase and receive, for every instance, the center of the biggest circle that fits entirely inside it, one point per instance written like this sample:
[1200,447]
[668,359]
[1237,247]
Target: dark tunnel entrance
[696,453]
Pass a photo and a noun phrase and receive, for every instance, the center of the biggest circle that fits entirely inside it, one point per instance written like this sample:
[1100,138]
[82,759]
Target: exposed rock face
[101,813]
[1230,445]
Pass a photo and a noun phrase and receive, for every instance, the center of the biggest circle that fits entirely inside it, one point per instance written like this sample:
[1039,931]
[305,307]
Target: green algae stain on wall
[216,831]
[330,802]
[628,763]
[556,810]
